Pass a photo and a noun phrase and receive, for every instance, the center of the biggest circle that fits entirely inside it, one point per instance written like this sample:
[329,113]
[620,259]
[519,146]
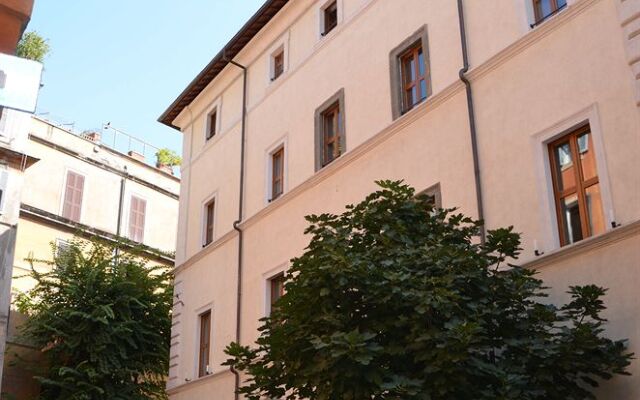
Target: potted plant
[166,159]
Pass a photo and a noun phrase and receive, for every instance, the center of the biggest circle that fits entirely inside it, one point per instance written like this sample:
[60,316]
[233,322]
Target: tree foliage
[103,321]
[32,46]
[394,299]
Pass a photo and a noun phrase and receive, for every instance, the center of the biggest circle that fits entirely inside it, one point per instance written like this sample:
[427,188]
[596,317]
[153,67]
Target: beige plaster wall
[45,184]
[530,85]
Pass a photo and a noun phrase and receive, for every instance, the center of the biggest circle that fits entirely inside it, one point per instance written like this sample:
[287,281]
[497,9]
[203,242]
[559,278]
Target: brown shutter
[137,212]
[73,196]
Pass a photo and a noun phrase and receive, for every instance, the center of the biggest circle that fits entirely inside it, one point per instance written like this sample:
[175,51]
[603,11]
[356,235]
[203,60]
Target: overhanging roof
[250,29]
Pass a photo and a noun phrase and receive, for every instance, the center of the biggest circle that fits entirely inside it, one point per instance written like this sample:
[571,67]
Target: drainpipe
[236,224]
[472,118]
[123,183]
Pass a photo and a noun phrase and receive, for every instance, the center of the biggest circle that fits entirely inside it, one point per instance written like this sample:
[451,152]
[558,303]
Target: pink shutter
[137,211]
[73,196]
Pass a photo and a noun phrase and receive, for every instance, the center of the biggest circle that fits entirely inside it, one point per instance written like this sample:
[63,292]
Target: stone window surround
[338,97]
[396,74]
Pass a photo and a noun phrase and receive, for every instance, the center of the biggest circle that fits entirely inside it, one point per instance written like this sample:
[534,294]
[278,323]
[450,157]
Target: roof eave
[248,31]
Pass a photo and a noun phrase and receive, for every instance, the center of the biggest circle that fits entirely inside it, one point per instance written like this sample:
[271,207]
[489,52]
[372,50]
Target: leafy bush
[103,321]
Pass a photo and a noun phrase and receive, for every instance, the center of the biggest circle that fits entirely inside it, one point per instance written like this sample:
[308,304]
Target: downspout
[123,183]
[472,118]
[236,224]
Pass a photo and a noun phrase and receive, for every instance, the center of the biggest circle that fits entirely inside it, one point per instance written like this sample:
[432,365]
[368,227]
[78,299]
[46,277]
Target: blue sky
[125,61]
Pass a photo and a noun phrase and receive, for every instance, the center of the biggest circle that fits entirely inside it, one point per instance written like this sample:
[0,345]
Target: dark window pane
[330,17]
[278,65]
[571,219]
[213,119]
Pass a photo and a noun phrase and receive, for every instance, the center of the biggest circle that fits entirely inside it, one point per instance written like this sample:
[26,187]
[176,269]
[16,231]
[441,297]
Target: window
[410,74]
[329,17]
[137,213]
[62,247]
[433,195]
[331,134]
[413,72]
[543,9]
[576,186]
[74,189]
[330,130]
[212,123]
[278,64]
[205,344]
[4,180]
[276,289]
[277,173]
[209,214]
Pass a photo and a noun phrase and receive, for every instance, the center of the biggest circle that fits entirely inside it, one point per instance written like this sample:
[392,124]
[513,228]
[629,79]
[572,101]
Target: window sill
[548,17]
[611,236]
[195,382]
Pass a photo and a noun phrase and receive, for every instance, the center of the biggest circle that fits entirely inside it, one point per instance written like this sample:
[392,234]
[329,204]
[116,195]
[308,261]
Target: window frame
[268,277]
[322,32]
[581,184]
[435,192]
[538,18]
[205,220]
[144,221]
[272,193]
[274,73]
[335,101]
[204,369]
[396,75]
[280,277]
[209,126]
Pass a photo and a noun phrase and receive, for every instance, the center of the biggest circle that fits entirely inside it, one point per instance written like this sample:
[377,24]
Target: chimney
[136,156]
[91,135]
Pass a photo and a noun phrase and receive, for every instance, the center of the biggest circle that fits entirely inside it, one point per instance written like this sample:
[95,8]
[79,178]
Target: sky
[125,61]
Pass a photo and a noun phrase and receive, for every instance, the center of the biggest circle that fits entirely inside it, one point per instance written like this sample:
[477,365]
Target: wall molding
[539,33]
[590,244]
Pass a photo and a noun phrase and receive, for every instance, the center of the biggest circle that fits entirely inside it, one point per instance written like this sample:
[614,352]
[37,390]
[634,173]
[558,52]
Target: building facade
[312,101]
[19,80]
[83,187]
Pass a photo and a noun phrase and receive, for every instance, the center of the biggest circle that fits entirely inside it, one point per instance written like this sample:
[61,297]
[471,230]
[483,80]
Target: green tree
[394,299]
[103,321]
[32,46]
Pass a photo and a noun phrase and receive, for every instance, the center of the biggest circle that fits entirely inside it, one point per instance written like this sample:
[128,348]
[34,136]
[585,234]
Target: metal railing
[108,136]
[123,142]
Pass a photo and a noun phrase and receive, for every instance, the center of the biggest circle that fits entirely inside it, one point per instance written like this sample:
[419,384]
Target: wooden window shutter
[137,213]
[73,196]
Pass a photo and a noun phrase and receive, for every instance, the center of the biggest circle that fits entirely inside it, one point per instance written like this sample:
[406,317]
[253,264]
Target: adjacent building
[19,84]
[532,122]
[83,187]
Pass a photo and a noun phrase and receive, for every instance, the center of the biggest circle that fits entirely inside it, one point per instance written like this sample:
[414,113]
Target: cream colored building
[327,103]
[82,187]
